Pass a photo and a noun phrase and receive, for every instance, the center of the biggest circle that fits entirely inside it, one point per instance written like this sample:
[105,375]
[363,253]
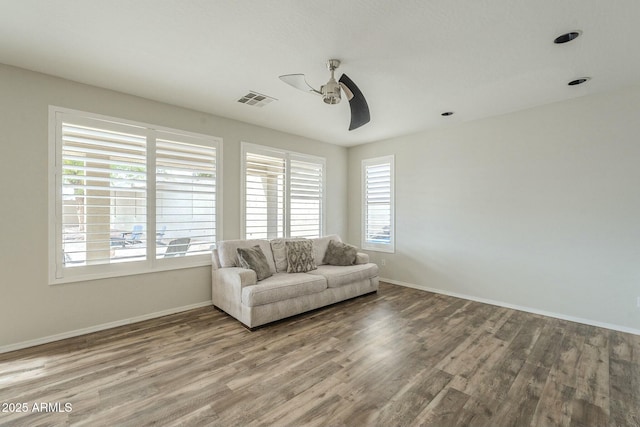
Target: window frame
[287,155]
[57,272]
[378,247]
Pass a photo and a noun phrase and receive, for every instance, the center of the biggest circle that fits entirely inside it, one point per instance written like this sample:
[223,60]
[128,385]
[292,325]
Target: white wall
[30,309]
[538,209]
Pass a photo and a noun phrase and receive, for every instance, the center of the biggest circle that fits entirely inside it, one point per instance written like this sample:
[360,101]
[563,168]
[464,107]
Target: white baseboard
[517,307]
[96,328]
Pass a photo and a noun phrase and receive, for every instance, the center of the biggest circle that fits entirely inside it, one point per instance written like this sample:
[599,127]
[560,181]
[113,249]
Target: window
[305,197]
[185,197]
[283,193]
[378,204]
[128,198]
[264,196]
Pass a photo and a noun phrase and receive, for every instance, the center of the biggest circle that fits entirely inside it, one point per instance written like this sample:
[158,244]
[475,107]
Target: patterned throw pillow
[254,259]
[300,257]
[279,250]
[339,253]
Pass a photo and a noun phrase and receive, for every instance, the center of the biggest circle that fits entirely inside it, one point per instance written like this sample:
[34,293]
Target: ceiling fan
[330,93]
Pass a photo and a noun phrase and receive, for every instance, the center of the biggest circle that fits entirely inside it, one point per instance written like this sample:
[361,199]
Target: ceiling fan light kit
[331,93]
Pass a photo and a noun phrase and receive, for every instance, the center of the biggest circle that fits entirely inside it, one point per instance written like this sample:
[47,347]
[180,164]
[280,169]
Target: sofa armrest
[362,258]
[215,261]
[236,276]
[226,289]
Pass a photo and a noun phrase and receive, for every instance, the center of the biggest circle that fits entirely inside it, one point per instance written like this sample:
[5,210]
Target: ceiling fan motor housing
[331,92]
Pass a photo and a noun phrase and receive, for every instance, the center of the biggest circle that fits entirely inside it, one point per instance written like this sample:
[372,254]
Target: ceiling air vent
[256,99]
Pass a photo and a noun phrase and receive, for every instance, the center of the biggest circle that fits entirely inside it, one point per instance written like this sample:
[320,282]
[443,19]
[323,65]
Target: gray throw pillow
[339,253]
[254,259]
[300,257]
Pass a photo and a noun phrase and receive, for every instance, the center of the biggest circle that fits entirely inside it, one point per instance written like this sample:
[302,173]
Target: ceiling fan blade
[359,107]
[299,82]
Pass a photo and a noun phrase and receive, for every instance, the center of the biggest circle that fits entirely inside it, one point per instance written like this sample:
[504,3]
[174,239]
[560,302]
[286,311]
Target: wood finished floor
[399,357]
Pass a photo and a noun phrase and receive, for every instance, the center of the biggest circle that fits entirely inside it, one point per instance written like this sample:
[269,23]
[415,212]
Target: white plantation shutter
[125,195]
[378,204]
[283,194]
[306,196]
[185,197]
[264,196]
[104,193]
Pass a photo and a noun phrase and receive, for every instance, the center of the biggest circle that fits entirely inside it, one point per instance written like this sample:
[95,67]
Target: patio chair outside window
[134,235]
[177,247]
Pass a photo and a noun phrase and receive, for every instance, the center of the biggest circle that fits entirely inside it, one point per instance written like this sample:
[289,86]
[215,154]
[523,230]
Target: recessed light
[578,81]
[447,113]
[567,37]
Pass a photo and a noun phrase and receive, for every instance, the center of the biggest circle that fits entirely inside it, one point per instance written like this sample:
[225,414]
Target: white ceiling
[412,59]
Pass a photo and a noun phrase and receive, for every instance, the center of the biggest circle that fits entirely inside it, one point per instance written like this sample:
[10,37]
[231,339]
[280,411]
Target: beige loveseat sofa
[237,291]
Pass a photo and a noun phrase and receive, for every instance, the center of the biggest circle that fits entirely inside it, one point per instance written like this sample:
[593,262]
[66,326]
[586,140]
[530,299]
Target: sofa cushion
[228,255]
[300,257]
[339,253]
[282,286]
[254,259]
[320,246]
[342,275]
